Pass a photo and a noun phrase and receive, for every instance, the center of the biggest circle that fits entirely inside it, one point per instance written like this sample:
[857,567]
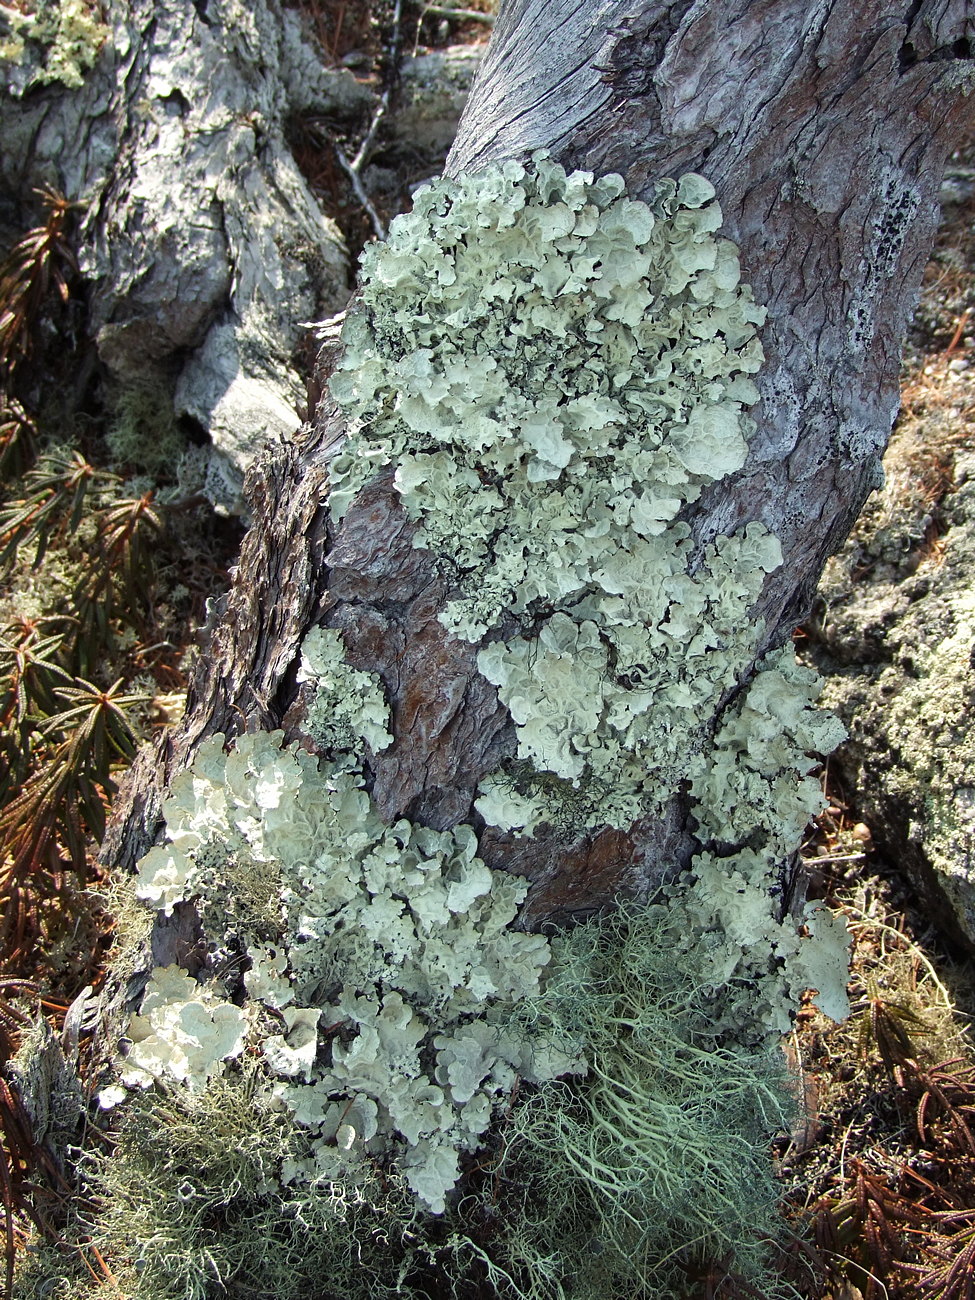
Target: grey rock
[202,244]
[896,640]
[433,92]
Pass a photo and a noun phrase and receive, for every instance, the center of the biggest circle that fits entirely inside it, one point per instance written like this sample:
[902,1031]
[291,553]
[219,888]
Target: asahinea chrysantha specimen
[552,370]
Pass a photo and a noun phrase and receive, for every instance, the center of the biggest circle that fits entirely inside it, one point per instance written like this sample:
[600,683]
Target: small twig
[360,193]
[363,151]
[463,15]
[353,169]
[834,857]
[109,1275]
[915,950]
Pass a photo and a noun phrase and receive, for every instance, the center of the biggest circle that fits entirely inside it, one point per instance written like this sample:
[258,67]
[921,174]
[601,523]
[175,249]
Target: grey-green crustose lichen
[50,41]
[555,370]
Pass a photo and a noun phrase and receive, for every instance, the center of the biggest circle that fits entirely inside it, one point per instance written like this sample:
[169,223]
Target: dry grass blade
[18,438]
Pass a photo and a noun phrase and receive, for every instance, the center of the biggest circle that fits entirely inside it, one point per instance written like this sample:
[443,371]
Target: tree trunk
[825,136]
[824,131]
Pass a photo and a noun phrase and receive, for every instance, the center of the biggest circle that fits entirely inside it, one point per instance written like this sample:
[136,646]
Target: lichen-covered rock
[896,635]
[432,94]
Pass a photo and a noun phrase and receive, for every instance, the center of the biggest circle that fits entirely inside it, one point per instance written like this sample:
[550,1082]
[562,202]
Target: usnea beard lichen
[555,371]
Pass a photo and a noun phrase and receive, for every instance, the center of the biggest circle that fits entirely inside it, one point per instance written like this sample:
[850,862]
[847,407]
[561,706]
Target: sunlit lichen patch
[753,798]
[555,370]
[51,40]
[389,985]
[348,705]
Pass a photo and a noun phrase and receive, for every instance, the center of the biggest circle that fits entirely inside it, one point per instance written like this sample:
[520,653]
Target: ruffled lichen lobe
[379,1005]
[556,370]
[553,372]
[49,41]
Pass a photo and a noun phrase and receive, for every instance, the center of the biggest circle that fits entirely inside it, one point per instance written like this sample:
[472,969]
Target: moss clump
[194,1205]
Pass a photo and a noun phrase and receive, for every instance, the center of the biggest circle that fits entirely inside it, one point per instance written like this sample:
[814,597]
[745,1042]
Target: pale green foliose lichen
[391,979]
[348,706]
[181,1031]
[555,369]
[753,798]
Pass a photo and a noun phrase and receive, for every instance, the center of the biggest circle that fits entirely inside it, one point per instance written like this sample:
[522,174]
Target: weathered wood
[824,129]
[202,246]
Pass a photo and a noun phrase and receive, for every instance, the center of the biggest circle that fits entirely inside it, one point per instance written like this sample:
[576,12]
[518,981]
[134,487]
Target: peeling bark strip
[826,144]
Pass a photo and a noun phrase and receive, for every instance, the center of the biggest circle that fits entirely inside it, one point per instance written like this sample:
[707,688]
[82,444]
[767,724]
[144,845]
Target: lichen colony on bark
[402,936]
[460,633]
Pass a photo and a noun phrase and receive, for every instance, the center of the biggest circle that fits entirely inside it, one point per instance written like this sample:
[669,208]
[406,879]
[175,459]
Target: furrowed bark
[825,130]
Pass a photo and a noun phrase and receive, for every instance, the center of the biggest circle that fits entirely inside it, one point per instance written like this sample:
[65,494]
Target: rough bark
[824,130]
[202,246]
